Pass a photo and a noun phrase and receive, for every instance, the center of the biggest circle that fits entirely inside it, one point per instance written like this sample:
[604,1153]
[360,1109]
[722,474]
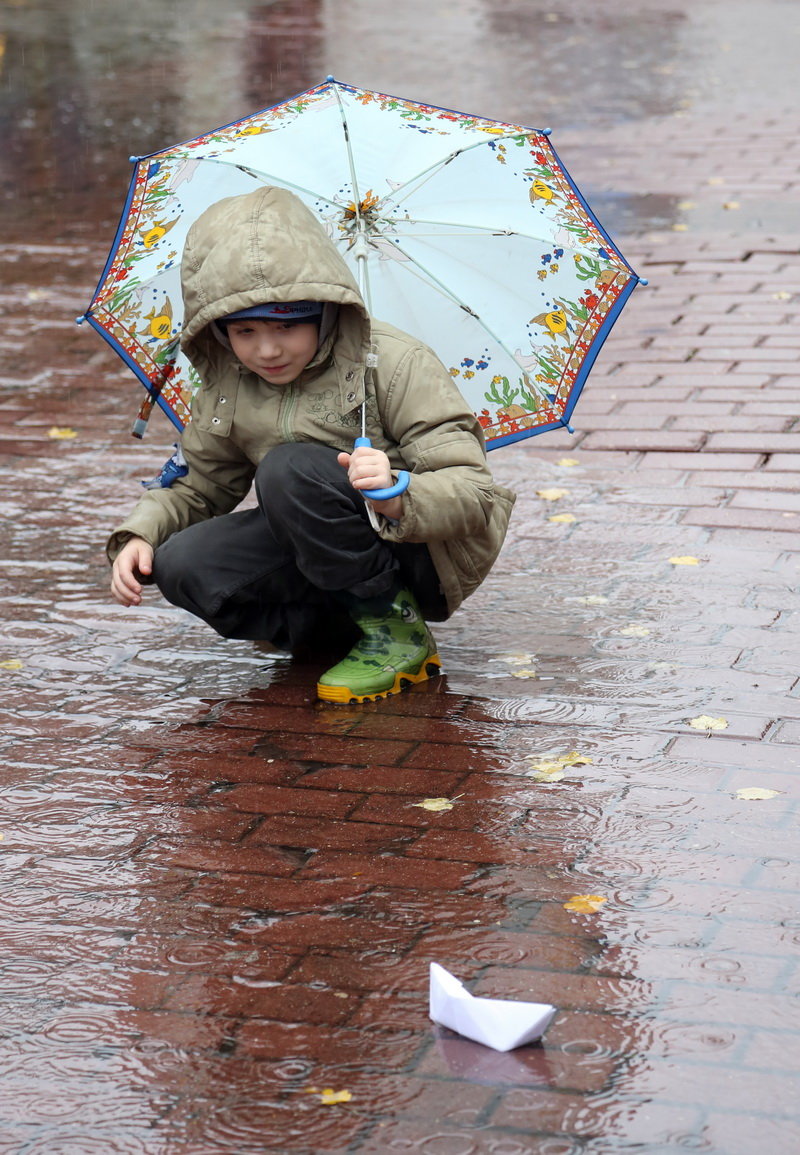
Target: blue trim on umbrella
[329,80]
[589,211]
[239,119]
[510,438]
[427,104]
[117,238]
[132,365]
[597,345]
[583,373]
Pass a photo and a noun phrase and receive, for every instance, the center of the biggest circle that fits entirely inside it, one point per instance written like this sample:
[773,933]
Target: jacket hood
[264,246]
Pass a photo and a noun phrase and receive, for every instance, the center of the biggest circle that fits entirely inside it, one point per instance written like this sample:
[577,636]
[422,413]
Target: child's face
[277,351]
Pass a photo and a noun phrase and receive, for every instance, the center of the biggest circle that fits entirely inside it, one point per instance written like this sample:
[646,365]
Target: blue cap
[278,311]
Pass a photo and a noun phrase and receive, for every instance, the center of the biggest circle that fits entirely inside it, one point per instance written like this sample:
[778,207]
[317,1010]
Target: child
[278,331]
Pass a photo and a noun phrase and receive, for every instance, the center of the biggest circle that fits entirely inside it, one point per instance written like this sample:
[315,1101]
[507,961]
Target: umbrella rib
[425,275]
[428,173]
[468,230]
[266,178]
[360,242]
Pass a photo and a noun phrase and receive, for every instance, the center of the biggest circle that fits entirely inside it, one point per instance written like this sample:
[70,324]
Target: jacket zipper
[286,417]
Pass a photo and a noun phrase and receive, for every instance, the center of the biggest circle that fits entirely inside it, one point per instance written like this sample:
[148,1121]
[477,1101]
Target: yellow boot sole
[345,696]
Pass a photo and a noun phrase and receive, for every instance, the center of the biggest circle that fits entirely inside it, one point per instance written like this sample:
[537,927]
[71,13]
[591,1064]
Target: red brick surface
[219,895]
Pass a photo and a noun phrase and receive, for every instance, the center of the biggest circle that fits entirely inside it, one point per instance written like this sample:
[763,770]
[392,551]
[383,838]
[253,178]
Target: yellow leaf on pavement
[585,903]
[329,1097]
[11,664]
[568,462]
[519,659]
[434,804]
[685,560]
[704,722]
[575,759]
[756,793]
[552,769]
[634,632]
[551,494]
[550,775]
[566,518]
[61,433]
[524,673]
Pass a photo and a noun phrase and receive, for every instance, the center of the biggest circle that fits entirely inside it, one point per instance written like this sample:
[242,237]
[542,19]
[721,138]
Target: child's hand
[134,560]
[369,468]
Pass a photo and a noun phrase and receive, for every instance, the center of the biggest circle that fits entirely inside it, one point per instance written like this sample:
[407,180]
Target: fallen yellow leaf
[568,462]
[686,560]
[563,517]
[731,205]
[756,793]
[551,494]
[552,769]
[680,228]
[11,664]
[434,804]
[704,722]
[575,759]
[61,433]
[516,659]
[525,673]
[329,1097]
[585,903]
[554,775]
[782,295]
[634,632]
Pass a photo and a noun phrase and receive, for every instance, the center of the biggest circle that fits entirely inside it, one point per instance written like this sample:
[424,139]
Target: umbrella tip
[547,132]
[134,159]
[643,281]
[81,319]
[330,79]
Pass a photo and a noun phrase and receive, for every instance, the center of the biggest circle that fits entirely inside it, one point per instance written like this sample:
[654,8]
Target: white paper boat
[498,1023]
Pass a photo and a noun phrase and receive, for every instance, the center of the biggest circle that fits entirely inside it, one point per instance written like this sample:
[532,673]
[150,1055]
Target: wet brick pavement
[218,895]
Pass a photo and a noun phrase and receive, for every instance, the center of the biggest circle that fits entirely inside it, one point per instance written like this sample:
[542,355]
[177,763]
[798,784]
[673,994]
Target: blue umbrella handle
[384,494]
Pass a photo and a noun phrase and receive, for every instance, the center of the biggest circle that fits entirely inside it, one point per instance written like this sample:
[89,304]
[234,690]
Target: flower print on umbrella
[405,190]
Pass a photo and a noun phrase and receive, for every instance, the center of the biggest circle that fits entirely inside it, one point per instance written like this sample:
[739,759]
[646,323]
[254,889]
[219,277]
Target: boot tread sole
[345,696]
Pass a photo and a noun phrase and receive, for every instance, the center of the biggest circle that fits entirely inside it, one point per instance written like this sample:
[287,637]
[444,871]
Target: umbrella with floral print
[468,233]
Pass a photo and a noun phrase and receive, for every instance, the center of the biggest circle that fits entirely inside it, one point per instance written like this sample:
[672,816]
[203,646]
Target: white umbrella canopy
[466,232]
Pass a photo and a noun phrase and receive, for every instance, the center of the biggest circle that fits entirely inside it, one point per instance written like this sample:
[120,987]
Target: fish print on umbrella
[469,232]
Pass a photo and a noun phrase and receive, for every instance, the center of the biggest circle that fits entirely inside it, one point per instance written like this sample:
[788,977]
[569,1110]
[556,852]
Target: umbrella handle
[384,494]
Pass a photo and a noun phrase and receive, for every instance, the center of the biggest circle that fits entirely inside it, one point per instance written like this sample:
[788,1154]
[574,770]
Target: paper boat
[498,1023]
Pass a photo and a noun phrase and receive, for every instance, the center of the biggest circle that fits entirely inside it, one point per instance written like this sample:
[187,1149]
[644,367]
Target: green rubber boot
[396,650]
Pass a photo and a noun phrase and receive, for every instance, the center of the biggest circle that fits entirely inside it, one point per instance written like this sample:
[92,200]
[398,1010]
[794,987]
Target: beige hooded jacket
[267,246]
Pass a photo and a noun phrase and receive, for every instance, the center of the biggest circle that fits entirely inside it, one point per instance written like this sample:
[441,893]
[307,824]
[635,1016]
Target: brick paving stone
[218,894]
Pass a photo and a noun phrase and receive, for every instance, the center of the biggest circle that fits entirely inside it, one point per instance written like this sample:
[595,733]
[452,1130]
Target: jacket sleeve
[451,491]
[219,478]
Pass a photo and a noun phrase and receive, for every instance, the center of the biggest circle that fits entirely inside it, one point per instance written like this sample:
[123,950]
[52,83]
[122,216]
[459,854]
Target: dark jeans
[278,573]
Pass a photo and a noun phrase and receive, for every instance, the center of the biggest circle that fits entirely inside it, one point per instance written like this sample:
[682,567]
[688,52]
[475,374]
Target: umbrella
[466,232]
